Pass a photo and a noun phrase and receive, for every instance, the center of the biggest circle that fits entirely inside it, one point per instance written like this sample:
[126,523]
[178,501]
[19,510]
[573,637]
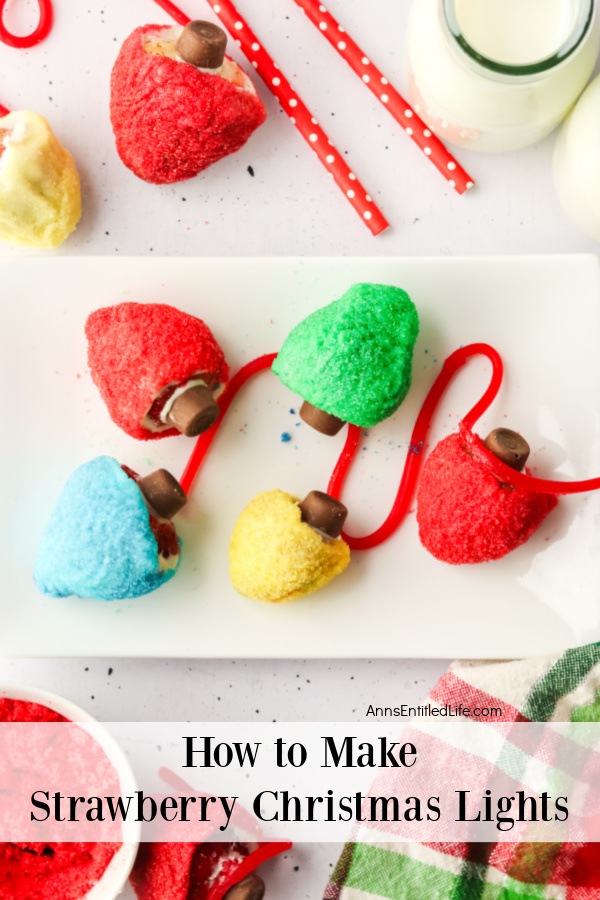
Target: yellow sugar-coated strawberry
[40,197]
[275,556]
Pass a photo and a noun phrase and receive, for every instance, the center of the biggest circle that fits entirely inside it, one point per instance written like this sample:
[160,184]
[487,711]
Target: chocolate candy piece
[163,493]
[202,44]
[320,420]
[251,888]
[509,447]
[194,411]
[324,513]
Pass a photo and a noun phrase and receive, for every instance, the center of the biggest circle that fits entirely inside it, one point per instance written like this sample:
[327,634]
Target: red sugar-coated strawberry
[163,870]
[139,353]
[171,120]
[176,871]
[465,514]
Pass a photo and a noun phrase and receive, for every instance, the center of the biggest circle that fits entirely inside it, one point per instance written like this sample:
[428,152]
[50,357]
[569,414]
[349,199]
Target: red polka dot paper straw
[174,11]
[387,95]
[23,42]
[300,116]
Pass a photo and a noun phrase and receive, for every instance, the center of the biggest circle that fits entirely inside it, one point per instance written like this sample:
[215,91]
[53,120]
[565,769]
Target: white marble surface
[288,206]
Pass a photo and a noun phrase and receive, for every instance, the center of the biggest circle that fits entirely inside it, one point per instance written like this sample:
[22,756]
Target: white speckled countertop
[272,198]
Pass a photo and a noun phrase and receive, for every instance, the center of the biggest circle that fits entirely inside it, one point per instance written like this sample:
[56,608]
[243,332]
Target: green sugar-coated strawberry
[351,361]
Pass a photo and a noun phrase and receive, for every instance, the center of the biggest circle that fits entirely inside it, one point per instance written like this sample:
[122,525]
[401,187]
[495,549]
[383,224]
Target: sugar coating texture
[40,197]
[162,871]
[466,515]
[23,711]
[171,120]
[184,871]
[98,542]
[275,556]
[38,871]
[136,349]
[353,358]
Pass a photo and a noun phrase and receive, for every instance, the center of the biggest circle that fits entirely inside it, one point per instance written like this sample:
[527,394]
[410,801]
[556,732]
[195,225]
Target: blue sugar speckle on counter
[286,437]
[292,412]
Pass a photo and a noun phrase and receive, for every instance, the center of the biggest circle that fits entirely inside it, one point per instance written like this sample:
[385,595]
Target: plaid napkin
[551,689]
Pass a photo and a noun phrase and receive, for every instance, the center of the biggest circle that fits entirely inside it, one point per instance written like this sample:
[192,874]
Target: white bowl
[116,874]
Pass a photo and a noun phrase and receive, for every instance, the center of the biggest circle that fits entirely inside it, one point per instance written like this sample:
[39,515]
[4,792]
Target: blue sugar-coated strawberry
[102,541]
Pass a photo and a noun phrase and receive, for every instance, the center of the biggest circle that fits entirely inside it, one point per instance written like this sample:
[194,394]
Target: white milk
[497,75]
[516,32]
[577,162]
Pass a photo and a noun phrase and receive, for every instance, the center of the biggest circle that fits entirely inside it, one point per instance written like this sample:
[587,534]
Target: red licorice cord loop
[23,42]
[174,11]
[205,440]
[414,457]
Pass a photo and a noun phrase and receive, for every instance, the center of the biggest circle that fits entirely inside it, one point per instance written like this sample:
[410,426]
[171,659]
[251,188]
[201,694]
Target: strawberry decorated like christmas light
[178,103]
[40,193]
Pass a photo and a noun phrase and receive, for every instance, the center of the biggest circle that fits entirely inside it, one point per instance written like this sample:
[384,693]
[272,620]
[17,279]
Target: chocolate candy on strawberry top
[109,536]
[351,361]
[465,513]
[157,368]
[178,104]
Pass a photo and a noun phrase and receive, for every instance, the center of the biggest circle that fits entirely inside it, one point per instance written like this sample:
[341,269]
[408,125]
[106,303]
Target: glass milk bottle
[497,75]
[577,162]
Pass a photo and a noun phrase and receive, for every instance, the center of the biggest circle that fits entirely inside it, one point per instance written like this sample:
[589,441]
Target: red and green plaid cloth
[552,689]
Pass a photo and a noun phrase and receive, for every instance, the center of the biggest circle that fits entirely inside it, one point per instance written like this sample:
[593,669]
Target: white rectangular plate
[541,313]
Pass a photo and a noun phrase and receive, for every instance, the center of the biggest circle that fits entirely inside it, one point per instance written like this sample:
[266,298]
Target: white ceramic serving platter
[541,313]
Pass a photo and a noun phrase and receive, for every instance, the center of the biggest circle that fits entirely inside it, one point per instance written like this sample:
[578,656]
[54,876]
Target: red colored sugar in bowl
[71,871]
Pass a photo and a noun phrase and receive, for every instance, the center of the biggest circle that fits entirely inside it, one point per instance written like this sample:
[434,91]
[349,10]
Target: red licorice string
[342,466]
[414,457]
[521,479]
[413,462]
[25,41]
[205,440]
